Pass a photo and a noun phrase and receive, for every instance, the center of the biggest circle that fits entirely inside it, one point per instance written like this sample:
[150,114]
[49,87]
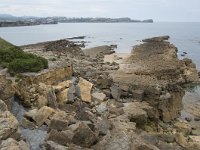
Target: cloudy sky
[159,10]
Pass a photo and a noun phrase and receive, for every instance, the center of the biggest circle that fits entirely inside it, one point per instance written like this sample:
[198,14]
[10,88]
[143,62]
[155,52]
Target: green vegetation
[18,61]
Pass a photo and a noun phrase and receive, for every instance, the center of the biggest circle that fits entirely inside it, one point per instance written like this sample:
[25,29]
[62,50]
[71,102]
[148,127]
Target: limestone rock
[6,88]
[60,137]
[180,139]
[43,114]
[85,90]
[11,144]
[62,97]
[103,126]
[63,85]
[183,127]
[50,145]
[3,106]
[135,114]
[25,123]
[98,96]
[83,136]
[116,92]
[8,125]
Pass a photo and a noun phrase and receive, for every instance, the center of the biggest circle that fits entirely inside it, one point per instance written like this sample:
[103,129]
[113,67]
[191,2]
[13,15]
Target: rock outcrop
[90,104]
[155,69]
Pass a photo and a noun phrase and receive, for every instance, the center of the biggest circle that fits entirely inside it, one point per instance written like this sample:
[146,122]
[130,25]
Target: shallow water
[34,137]
[191,104]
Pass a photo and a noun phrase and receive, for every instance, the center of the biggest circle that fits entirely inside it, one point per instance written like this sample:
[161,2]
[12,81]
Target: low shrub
[18,61]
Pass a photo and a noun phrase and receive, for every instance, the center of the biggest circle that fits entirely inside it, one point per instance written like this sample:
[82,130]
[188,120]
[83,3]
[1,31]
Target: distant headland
[7,20]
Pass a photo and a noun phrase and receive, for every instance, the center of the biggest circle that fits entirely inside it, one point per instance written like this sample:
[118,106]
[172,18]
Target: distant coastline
[13,21]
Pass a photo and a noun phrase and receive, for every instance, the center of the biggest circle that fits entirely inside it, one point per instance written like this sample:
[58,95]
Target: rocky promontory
[83,102]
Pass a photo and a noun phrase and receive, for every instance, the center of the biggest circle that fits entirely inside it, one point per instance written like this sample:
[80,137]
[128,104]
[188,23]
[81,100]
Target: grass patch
[18,61]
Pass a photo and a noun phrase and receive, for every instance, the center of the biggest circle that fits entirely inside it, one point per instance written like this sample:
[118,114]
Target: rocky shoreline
[94,99]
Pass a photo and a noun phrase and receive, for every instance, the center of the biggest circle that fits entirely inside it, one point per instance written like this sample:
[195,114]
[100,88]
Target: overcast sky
[159,10]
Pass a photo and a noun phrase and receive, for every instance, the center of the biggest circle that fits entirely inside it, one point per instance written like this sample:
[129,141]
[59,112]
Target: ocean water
[186,36]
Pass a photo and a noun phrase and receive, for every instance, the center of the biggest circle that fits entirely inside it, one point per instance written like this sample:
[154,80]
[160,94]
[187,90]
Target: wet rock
[11,144]
[42,115]
[116,92]
[83,136]
[157,39]
[85,90]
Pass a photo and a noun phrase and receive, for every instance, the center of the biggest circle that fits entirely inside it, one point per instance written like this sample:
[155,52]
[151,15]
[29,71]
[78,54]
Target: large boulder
[11,144]
[42,115]
[8,123]
[85,90]
[84,136]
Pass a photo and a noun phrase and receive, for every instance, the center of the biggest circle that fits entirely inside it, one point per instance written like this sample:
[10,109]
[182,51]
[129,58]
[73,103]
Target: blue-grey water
[186,36]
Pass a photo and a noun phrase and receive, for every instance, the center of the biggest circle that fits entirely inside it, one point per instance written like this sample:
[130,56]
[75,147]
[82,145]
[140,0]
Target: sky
[159,10]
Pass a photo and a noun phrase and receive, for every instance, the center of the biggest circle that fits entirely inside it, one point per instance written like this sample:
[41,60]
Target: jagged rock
[6,89]
[103,126]
[3,106]
[99,51]
[136,114]
[180,139]
[83,136]
[85,90]
[101,108]
[60,137]
[43,114]
[34,85]
[8,125]
[31,114]
[62,96]
[138,94]
[11,144]
[196,132]
[157,39]
[41,101]
[116,92]
[97,96]
[58,124]
[155,68]
[183,127]
[104,82]
[63,85]
[50,145]
[51,97]
[25,123]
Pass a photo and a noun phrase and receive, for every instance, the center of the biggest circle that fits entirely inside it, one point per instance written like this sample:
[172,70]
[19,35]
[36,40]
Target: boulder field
[83,102]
